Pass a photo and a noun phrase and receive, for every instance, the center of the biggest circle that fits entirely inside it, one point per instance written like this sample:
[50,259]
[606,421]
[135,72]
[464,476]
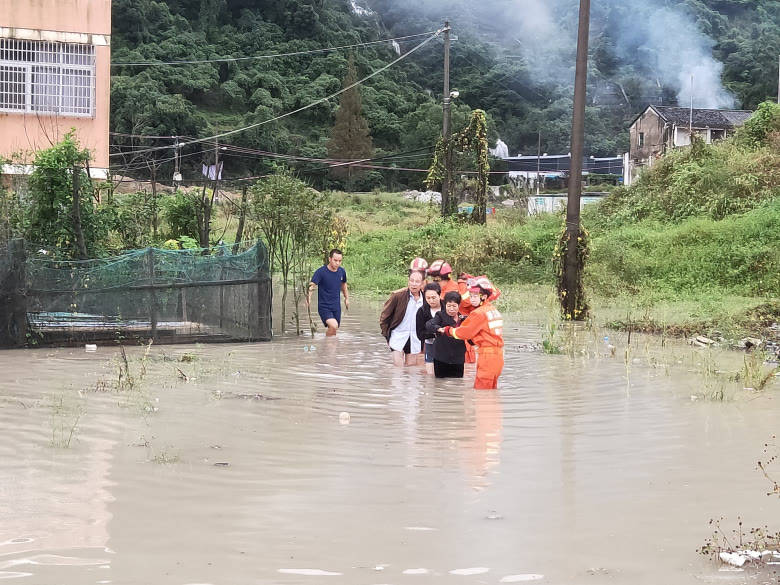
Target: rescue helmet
[483,286]
[419,264]
[440,268]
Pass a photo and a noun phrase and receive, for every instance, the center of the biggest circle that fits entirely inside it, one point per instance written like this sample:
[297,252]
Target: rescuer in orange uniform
[483,326]
[440,272]
[466,308]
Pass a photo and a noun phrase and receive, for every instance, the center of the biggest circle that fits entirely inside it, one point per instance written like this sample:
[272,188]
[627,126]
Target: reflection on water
[249,472]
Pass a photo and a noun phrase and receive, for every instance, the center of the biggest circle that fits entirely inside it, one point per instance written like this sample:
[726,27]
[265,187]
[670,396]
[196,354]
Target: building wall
[69,21]
[656,137]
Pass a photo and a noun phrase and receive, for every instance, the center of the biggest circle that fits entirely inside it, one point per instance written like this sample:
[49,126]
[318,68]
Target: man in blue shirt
[330,281]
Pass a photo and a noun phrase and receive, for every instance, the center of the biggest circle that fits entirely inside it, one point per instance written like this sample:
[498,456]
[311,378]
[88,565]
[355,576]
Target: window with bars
[47,77]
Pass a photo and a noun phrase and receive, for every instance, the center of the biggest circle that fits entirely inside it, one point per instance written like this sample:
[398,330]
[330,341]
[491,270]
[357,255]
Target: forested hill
[512,58]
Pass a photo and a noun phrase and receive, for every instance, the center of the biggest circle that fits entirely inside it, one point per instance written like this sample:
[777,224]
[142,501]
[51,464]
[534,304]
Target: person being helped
[398,322]
[431,306]
[330,280]
[440,271]
[449,354]
[483,326]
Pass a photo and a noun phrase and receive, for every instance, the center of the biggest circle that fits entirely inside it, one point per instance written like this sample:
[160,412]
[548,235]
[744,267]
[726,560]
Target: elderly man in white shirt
[398,322]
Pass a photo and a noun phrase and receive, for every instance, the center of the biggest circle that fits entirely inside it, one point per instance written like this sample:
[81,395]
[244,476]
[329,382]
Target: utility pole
[446,205]
[690,115]
[571,275]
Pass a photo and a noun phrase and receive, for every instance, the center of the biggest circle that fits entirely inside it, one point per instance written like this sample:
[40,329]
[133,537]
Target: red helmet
[440,268]
[482,285]
[419,264]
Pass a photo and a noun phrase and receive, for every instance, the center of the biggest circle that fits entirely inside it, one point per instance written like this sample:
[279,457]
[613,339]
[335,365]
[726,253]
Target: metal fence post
[13,321]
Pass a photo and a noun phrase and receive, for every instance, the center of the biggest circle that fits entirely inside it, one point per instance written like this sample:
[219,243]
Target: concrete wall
[656,140]
[76,16]
[79,21]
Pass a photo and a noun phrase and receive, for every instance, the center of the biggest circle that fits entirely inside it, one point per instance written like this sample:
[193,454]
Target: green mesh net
[167,295]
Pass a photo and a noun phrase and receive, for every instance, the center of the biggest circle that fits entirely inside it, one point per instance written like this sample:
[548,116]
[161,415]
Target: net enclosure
[170,296]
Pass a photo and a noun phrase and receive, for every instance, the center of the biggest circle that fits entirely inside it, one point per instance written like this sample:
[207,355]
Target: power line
[270,56]
[301,109]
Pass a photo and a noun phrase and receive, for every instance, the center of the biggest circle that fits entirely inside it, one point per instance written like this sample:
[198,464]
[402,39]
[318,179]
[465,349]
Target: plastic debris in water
[733,559]
[311,572]
[470,571]
[90,347]
[344,418]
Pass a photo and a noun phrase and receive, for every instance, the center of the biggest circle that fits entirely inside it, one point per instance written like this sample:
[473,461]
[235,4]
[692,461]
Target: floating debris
[470,571]
[741,557]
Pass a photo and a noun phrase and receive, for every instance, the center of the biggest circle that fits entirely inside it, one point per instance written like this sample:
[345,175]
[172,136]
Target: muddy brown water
[578,470]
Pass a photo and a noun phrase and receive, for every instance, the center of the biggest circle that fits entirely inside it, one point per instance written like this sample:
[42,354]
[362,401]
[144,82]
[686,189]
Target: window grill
[47,77]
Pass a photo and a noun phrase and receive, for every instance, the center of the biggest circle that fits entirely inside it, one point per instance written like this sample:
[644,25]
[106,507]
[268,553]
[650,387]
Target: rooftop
[702,118]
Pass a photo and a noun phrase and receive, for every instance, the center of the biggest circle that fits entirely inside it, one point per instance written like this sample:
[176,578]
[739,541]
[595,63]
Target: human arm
[345,292]
[423,317]
[385,316]
[469,328]
[434,324]
[312,286]
[315,280]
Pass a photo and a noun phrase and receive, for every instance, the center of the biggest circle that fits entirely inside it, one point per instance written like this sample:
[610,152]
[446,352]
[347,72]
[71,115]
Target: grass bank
[699,275]
[693,246]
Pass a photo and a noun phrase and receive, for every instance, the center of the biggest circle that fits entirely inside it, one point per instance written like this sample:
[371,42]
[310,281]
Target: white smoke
[501,150]
[655,41]
[672,48]
[360,10]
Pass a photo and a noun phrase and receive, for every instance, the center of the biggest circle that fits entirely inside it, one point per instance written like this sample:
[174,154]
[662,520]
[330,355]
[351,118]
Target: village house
[660,128]
[54,76]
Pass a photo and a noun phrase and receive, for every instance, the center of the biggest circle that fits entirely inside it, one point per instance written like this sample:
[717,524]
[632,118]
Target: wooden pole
[571,276]
[241,219]
[446,187]
[13,316]
[76,214]
[153,304]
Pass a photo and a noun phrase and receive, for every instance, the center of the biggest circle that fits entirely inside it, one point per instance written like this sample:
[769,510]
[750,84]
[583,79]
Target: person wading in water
[398,322]
[483,326]
[330,280]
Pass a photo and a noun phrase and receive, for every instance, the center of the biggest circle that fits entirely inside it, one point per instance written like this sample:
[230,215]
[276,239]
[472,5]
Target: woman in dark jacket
[449,353]
[431,305]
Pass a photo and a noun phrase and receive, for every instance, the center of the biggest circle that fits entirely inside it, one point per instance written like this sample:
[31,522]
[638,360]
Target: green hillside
[524,83]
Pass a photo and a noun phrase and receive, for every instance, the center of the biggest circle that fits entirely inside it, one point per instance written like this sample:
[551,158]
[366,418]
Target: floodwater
[233,464]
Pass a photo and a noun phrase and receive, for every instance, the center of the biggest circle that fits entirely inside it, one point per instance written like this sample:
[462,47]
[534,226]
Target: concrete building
[660,128]
[533,169]
[54,76]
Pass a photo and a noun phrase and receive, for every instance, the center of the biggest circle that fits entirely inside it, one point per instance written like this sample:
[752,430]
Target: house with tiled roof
[660,128]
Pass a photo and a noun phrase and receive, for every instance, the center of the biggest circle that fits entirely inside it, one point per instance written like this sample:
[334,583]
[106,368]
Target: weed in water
[65,416]
[758,545]
[165,457]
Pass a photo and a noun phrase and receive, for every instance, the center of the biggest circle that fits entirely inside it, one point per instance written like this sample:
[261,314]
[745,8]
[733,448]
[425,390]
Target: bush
[181,214]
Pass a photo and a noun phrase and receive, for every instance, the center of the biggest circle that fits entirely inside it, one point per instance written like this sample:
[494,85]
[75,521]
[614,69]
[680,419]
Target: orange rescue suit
[448,286]
[465,308]
[484,326]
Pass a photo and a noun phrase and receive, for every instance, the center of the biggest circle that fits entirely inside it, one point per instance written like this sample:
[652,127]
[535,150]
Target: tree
[293,218]
[61,214]
[473,138]
[350,136]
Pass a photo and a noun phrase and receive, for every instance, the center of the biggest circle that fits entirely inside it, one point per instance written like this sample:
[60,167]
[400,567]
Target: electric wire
[302,108]
[269,56]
